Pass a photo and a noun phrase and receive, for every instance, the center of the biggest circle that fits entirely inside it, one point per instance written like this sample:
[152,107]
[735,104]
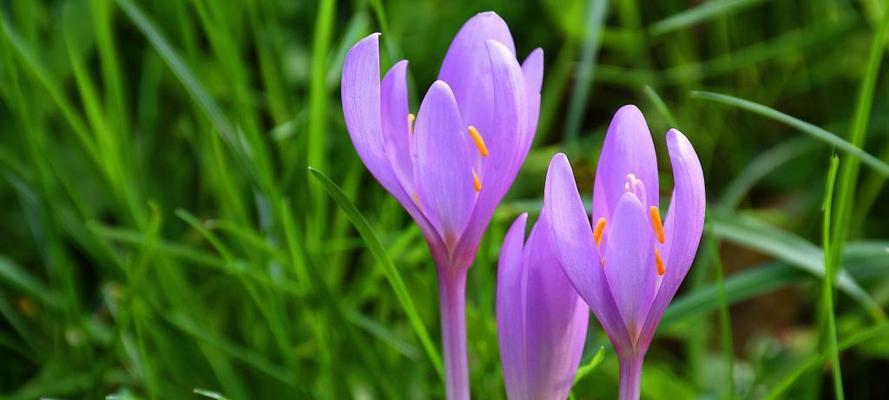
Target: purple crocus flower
[541,321]
[451,168]
[627,265]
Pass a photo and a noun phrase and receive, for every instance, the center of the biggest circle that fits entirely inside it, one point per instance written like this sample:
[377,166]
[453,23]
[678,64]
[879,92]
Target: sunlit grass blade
[807,128]
[209,394]
[703,12]
[389,269]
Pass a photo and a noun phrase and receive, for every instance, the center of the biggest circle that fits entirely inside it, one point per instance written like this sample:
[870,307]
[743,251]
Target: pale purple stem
[452,298]
[630,377]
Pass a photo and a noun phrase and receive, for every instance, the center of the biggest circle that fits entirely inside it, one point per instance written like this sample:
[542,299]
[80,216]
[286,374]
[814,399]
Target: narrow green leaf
[705,11]
[590,366]
[583,79]
[830,265]
[16,276]
[789,248]
[389,269]
[877,331]
[807,128]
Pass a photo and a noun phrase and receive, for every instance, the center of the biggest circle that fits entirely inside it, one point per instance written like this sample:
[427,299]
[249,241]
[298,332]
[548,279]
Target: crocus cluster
[451,164]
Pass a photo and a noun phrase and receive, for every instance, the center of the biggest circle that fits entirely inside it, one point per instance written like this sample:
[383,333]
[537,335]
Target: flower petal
[442,167]
[555,317]
[533,72]
[683,227]
[572,242]
[510,108]
[510,308]
[394,111]
[467,69]
[628,149]
[629,262]
[361,108]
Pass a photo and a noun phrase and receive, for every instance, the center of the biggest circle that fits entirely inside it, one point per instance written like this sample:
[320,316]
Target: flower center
[410,123]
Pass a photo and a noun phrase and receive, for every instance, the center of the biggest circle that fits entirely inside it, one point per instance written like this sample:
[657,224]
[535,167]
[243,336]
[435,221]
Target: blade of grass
[792,249]
[392,275]
[765,163]
[827,307]
[705,11]
[738,287]
[591,366]
[725,321]
[807,128]
[196,90]
[316,139]
[877,331]
[848,173]
[583,78]
[659,105]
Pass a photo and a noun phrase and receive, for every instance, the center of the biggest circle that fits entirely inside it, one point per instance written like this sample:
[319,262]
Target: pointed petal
[533,72]
[442,168]
[533,69]
[629,262]
[394,110]
[503,140]
[361,108]
[510,309]
[628,149]
[684,224]
[556,320]
[467,70]
[572,241]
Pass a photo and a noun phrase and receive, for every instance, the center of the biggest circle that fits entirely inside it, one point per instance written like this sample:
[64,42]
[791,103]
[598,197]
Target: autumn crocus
[627,264]
[541,321]
[450,165]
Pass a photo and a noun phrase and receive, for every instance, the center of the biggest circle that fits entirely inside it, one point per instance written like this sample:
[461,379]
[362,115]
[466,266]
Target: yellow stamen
[600,229]
[656,224]
[479,142]
[476,183]
[416,200]
[410,123]
[660,263]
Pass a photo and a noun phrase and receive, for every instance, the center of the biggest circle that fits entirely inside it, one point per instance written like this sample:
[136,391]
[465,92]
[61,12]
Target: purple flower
[627,265]
[541,321]
[451,165]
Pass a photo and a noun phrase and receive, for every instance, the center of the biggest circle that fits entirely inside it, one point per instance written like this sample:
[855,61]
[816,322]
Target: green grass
[164,236]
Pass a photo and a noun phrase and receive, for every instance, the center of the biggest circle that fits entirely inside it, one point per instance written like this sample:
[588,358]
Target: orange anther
[479,141]
[600,229]
[476,183]
[660,263]
[657,225]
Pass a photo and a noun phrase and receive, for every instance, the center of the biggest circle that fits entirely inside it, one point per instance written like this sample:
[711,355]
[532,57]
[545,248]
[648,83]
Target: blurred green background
[163,238]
